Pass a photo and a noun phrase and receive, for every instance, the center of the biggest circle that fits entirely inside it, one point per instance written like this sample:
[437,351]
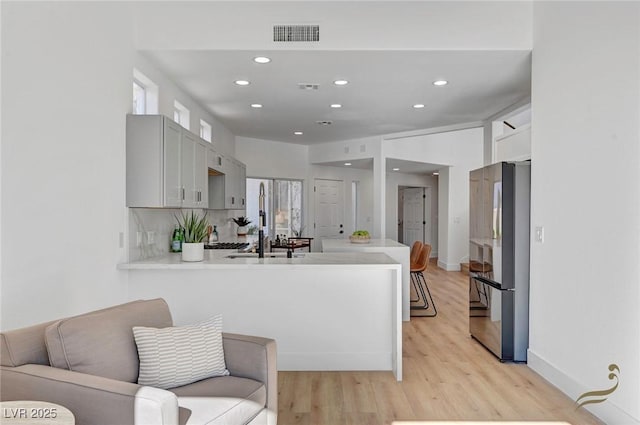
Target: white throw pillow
[176,356]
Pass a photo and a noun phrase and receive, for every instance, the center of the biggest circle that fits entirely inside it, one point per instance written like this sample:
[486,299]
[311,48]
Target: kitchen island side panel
[322,318]
[397,251]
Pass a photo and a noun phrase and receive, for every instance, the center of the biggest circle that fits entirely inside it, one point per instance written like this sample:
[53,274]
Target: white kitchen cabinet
[166,164]
[215,160]
[228,190]
[200,174]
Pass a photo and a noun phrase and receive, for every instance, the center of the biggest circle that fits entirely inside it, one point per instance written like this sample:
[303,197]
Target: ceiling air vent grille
[308,86]
[289,33]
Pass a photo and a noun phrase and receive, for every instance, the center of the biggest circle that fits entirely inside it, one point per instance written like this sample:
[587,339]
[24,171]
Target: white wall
[65,93]
[66,80]
[459,152]
[585,192]
[223,140]
[265,158]
[345,25]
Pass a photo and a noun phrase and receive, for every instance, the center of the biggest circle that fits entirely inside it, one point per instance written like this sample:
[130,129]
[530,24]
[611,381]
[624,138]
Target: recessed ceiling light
[340,82]
[336,105]
[440,83]
[435,173]
[418,106]
[242,82]
[261,59]
[256,105]
[396,169]
[347,163]
[298,133]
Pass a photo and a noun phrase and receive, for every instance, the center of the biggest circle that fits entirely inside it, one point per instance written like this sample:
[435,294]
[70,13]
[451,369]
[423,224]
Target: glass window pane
[283,203]
[139,99]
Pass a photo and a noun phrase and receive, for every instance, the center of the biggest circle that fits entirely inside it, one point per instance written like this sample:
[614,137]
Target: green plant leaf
[194,225]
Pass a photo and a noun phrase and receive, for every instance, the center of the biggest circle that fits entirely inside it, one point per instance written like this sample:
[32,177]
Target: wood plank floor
[447,376]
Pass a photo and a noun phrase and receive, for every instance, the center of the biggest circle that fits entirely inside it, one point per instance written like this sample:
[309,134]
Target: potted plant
[195,232]
[242,223]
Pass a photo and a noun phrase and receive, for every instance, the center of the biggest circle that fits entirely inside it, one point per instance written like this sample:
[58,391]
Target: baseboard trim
[608,411]
[449,267]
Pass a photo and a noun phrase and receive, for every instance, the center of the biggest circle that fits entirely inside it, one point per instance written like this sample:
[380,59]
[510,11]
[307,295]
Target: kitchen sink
[266,255]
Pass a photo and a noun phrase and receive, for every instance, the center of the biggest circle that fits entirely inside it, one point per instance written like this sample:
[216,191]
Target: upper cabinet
[166,164]
[228,184]
[170,167]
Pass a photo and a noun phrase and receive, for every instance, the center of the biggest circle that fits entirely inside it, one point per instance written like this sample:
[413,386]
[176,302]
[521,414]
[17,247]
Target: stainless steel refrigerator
[499,228]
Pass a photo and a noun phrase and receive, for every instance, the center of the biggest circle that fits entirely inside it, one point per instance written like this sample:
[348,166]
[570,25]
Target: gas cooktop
[226,245]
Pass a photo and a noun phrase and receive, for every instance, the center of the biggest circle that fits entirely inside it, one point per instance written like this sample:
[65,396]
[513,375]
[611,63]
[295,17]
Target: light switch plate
[540,234]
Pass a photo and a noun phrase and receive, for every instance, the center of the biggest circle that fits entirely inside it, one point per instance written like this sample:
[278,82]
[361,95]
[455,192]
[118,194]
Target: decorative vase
[242,230]
[192,251]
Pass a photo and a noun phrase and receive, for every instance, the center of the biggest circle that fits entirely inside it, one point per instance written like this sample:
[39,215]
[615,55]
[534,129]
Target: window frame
[205,131]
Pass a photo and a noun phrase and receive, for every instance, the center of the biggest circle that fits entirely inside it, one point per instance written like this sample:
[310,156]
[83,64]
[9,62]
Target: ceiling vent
[308,86]
[324,122]
[288,33]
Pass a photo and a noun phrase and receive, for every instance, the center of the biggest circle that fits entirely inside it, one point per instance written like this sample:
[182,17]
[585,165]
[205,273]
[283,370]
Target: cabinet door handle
[183,193]
[233,200]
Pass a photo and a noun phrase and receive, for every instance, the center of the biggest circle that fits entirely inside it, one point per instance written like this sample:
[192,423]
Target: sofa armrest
[91,399]
[254,357]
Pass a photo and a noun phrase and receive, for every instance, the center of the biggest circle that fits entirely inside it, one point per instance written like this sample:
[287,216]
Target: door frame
[426,212]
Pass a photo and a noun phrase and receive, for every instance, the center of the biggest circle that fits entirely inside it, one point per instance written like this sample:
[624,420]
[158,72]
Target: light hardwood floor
[447,376]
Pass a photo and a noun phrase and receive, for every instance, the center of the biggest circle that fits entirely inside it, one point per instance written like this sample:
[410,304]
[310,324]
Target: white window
[181,114]
[139,98]
[145,94]
[205,131]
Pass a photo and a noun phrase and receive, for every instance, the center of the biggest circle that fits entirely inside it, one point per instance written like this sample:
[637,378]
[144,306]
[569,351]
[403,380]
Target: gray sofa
[89,364]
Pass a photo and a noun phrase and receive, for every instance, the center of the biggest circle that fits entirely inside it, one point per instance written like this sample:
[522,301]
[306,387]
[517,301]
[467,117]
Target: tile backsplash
[150,229]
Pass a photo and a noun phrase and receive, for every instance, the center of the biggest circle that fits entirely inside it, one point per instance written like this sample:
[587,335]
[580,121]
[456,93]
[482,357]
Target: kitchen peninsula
[395,250]
[326,311]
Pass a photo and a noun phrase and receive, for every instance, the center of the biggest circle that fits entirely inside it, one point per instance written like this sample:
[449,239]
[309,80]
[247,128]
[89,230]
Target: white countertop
[218,259]
[329,244]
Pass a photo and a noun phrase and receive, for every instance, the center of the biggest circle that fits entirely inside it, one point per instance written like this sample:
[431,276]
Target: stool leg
[415,289]
[420,278]
[422,294]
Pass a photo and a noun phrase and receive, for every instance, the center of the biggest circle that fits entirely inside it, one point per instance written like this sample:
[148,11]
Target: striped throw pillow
[176,356]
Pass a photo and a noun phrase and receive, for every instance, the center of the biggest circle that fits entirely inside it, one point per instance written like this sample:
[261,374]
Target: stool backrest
[415,251]
[423,258]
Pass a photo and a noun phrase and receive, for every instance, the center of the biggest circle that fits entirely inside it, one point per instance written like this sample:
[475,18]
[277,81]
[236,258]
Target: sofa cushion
[24,346]
[101,342]
[175,356]
[237,400]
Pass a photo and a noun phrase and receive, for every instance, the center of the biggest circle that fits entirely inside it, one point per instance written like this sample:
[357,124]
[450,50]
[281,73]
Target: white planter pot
[242,230]
[193,251]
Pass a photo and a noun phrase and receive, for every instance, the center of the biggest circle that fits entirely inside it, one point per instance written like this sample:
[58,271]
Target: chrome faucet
[262,221]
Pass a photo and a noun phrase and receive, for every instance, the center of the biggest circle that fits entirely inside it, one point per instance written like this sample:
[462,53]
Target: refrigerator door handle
[491,283]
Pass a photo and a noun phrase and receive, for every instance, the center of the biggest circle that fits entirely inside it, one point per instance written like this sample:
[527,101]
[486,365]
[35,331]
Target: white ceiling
[378,100]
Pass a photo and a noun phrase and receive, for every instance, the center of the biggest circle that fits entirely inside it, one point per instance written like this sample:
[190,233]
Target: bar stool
[418,279]
[413,258]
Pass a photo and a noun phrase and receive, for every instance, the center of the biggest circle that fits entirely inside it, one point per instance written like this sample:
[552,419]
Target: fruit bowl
[359,239]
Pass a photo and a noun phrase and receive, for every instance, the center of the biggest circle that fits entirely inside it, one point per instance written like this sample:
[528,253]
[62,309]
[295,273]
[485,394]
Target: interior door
[413,218]
[329,209]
